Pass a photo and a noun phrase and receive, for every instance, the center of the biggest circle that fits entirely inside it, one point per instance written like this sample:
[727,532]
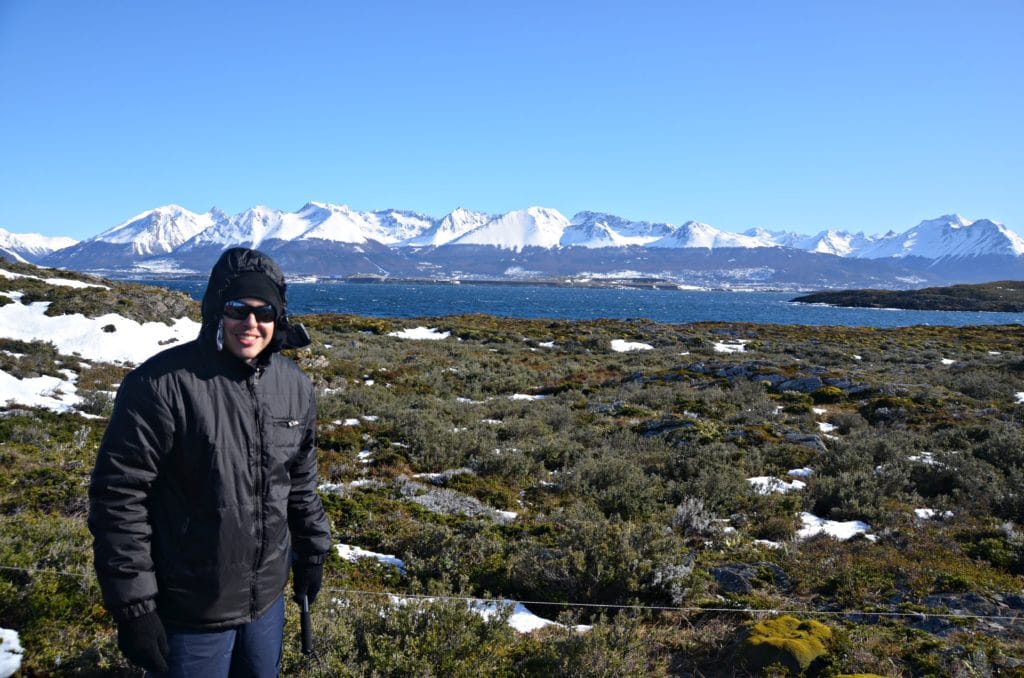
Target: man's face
[247,338]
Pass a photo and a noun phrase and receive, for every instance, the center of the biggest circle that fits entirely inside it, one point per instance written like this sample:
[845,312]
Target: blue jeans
[253,649]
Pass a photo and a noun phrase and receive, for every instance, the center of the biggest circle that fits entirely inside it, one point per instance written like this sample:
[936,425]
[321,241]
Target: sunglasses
[239,310]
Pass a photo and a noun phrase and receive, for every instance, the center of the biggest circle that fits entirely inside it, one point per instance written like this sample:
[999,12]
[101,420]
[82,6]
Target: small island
[1006,296]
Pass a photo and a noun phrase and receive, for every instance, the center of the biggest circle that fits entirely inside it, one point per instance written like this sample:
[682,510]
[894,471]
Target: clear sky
[859,115]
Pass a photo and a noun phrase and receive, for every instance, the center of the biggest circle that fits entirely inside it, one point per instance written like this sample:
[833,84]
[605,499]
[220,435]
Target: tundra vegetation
[627,474]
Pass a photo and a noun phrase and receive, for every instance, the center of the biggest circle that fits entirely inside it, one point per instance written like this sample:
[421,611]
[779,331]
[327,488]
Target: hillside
[1006,296]
[655,495]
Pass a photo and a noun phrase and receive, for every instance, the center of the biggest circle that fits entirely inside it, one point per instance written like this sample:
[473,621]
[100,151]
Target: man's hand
[144,641]
[306,580]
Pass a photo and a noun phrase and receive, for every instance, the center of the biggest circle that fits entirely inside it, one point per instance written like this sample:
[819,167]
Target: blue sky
[864,115]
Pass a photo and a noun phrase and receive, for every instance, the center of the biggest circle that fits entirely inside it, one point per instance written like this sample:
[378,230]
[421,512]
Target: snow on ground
[130,342]
[826,427]
[948,361]
[10,652]
[804,472]
[521,619]
[729,347]
[623,346]
[524,396]
[354,553]
[767,543]
[547,344]
[841,530]
[819,410]
[52,393]
[1020,396]
[59,282]
[769,484]
[928,514]
[420,333]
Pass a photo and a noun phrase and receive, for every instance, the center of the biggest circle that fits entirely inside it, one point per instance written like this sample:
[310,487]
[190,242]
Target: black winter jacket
[204,489]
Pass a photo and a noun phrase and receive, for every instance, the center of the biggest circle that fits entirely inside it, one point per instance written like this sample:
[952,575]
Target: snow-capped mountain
[594,229]
[159,231]
[532,227]
[314,221]
[26,247]
[456,223]
[839,243]
[694,234]
[335,240]
[949,236]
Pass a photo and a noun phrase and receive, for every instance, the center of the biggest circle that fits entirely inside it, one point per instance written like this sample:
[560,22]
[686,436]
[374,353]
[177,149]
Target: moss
[785,640]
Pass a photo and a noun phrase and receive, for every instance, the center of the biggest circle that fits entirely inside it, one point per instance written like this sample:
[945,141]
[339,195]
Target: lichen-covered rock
[785,640]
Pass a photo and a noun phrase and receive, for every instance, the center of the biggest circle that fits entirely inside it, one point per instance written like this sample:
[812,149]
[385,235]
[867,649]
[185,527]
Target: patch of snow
[364,456]
[352,421]
[948,361]
[928,514]
[59,282]
[547,344]
[994,353]
[769,484]
[131,342]
[420,333]
[509,516]
[826,427]
[819,410]
[767,544]
[52,393]
[623,346]
[799,472]
[856,357]
[841,530]
[10,652]
[522,619]
[926,458]
[490,421]
[354,553]
[524,396]
[1020,396]
[730,347]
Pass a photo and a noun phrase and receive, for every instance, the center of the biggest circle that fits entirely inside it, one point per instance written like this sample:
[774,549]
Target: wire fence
[754,611]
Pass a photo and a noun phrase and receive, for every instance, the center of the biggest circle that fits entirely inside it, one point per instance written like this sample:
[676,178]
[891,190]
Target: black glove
[306,580]
[144,641]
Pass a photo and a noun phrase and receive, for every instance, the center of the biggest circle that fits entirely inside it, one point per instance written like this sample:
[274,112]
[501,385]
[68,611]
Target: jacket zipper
[257,493]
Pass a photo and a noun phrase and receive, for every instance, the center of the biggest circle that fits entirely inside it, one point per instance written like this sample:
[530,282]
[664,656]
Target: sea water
[414,300]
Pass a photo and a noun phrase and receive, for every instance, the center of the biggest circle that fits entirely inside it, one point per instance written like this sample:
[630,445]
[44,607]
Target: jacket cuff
[134,611]
[310,559]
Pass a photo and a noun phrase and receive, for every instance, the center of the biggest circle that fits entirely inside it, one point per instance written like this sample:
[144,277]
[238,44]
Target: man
[204,490]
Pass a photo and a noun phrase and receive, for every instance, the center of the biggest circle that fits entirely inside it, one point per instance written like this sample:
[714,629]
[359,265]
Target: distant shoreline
[1002,297]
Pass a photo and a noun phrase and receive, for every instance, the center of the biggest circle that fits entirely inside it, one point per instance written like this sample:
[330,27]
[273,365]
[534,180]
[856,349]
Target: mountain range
[324,239]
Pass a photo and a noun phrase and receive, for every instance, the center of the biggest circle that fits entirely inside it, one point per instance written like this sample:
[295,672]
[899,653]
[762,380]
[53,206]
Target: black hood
[232,263]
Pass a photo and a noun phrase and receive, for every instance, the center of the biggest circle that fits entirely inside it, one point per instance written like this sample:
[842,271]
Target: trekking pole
[307,627]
